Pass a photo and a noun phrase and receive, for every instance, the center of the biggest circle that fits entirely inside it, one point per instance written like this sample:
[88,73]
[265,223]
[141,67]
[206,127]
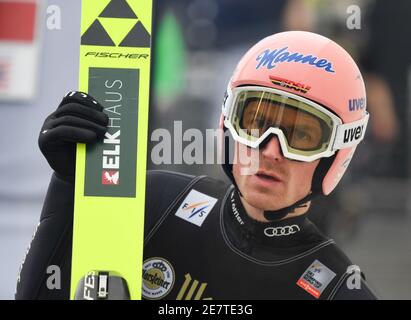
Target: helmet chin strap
[273,215]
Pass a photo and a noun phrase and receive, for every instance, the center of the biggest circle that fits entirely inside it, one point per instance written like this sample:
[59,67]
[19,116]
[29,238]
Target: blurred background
[197,45]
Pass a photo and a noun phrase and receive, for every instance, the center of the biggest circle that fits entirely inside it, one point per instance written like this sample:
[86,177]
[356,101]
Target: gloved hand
[78,118]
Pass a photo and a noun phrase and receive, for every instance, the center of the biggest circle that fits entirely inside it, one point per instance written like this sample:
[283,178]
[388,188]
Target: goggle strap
[228,96]
[350,134]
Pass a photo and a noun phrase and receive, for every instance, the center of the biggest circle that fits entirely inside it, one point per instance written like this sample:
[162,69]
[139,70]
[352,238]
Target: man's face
[278,182]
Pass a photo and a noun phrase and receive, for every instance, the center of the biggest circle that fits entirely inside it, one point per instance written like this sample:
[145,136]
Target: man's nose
[272,149]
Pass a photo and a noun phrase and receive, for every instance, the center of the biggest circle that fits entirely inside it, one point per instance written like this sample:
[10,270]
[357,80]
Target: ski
[108,229]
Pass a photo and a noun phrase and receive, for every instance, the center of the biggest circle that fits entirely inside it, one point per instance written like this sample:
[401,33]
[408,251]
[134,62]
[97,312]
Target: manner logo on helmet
[96,34]
[316,278]
[270,58]
[158,278]
[196,207]
[297,86]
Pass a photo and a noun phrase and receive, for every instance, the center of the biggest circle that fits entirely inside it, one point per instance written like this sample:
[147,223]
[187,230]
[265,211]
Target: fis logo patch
[110,177]
[196,207]
[316,278]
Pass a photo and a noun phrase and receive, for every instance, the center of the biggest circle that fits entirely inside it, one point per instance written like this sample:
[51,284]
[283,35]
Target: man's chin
[265,201]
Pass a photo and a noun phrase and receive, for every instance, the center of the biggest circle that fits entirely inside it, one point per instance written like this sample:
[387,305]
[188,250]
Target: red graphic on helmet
[297,86]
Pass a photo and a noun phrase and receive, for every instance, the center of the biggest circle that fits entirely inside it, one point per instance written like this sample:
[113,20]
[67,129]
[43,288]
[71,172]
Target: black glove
[78,118]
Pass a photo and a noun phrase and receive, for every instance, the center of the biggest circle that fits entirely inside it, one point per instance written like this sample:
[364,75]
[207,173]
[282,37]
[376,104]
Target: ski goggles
[306,130]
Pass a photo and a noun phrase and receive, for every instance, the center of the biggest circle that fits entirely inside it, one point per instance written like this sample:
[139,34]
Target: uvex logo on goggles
[350,134]
[353,134]
[270,58]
